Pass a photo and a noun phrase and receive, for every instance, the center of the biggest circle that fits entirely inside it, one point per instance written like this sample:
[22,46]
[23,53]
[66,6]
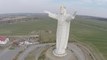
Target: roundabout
[75,51]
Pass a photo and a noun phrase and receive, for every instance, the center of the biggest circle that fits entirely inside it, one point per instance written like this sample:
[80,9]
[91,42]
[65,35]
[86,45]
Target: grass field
[84,30]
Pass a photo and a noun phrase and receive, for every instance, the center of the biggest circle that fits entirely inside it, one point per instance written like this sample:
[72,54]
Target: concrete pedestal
[50,56]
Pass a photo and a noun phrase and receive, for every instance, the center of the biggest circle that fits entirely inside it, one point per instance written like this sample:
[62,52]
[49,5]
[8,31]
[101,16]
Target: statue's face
[62,10]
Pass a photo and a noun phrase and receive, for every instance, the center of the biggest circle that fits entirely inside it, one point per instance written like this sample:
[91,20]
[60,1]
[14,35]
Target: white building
[25,43]
[3,40]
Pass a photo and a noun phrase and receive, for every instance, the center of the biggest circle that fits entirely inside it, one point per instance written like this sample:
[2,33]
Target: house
[3,40]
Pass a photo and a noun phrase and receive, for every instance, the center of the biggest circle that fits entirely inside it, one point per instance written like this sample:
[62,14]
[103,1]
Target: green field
[85,30]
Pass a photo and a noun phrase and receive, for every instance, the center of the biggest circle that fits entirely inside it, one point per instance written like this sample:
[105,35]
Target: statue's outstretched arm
[54,16]
[71,17]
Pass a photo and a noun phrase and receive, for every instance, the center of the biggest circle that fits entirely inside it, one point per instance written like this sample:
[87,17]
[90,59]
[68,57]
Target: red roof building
[3,39]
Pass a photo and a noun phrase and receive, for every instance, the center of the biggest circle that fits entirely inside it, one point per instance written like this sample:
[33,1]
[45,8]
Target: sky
[83,7]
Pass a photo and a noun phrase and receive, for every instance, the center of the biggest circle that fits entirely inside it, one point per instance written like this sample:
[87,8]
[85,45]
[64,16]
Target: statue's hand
[47,12]
[71,17]
[74,14]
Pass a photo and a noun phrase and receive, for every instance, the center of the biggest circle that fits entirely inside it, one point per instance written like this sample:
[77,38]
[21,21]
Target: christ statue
[63,27]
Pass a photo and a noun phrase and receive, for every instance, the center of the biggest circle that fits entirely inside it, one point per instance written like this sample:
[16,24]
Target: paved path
[8,54]
[38,52]
[26,52]
[4,51]
[40,47]
[31,48]
[77,51]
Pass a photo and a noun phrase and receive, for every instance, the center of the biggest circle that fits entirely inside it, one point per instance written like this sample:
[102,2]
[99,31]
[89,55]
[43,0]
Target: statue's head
[63,10]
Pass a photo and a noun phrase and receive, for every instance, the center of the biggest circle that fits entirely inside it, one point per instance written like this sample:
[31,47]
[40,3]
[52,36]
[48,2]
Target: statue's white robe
[62,35]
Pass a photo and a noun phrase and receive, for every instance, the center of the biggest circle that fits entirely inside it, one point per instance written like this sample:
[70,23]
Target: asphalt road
[31,48]
[77,51]
[8,54]
[26,52]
